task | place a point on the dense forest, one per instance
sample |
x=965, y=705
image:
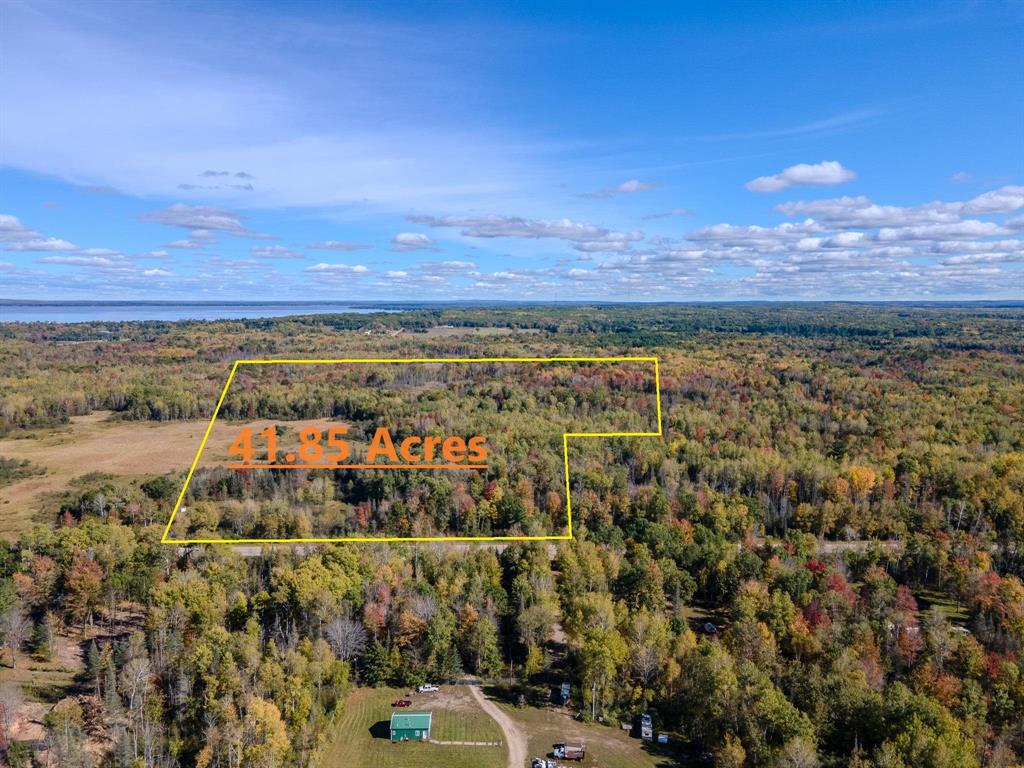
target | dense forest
x=819, y=563
x=519, y=412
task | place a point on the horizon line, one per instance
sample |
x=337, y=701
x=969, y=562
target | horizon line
x=497, y=302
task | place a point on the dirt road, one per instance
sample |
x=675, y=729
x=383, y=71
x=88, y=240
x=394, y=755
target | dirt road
x=515, y=739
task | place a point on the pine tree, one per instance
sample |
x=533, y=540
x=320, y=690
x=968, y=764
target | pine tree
x=111, y=701
x=377, y=665
x=94, y=666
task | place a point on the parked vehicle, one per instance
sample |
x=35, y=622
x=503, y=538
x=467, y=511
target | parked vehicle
x=428, y=688
x=646, y=727
x=570, y=749
x=402, y=703
x=540, y=762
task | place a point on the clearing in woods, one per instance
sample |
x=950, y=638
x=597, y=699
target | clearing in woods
x=607, y=746
x=514, y=737
x=360, y=738
x=129, y=450
x=30, y=688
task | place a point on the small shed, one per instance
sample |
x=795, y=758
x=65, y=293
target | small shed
x=411, y=726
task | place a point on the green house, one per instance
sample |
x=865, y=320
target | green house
x=410, y=726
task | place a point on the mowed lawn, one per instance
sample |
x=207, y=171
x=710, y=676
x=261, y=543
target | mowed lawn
x=607, y=747
x=360, y=737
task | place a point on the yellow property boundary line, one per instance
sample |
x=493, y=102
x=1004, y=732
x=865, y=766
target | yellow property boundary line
x=327, y=540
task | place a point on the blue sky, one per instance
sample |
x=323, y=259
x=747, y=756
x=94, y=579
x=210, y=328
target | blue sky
x=512, y=151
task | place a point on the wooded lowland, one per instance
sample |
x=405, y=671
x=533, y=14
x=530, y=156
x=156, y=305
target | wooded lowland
x=819, y=563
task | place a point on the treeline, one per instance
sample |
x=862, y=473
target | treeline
x=162, y=370
x=521, y=410
x=813, y=654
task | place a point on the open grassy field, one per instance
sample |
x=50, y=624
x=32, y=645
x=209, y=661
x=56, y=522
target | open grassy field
x=607, y=747
x=360, y=738
x=927, y=598
x=90, y=443
x=128, y=450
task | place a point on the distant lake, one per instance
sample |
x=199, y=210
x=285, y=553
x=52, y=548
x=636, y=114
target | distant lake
x=84, y=312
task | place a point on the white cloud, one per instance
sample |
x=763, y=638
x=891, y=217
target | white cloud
x=274, y=252
x=625, y=188
x=6, y=265
x=234, y=265
x=11, y=228
x=961, y=230
x=979, y=251
x=584, y=274
x=976, y=246
x=197, y=239
x=80, y=261
x=21, y=239
x=584, y=236
x=446, y=267
x=851, y=248
x=671, y=213
x=862, y=212
x=244, y=186
x=336, y=245
x=842, y=212
x=400, y=279
x=983, y=258
x=204, y=218
x=343, y=269
x=156, y=272
x=411, y=241
x=826, y=173
x=1004, y=200
x=17, y=237
x=612, y=242
x=42, y=244
x=756, y=234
